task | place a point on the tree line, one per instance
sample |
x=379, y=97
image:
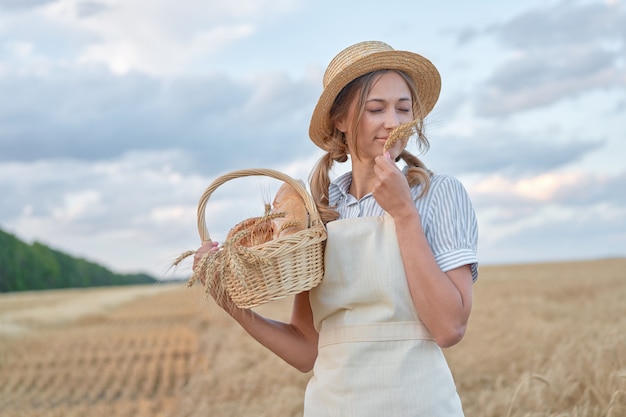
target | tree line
x=38, y=267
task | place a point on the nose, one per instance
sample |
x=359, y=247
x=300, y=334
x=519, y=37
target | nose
x=392, y=120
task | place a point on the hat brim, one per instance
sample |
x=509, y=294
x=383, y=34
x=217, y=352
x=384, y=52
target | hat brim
x=420, y=69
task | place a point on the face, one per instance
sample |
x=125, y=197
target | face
x=387, y=105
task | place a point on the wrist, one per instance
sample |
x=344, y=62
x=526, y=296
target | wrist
x=239, y=314
x=407, y=216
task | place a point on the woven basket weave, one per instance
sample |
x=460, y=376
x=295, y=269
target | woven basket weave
x=255, y=275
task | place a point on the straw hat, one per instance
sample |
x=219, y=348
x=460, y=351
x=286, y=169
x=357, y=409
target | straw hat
x=363, y=58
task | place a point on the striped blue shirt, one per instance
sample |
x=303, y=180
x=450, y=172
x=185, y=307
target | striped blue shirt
x=447, y=214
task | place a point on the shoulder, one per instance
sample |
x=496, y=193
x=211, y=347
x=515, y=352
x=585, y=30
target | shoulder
x=442, y=186
x=446, y=200
x=440, y=182
x=450, y=223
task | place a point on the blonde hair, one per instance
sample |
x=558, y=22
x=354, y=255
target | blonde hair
x=359, y=88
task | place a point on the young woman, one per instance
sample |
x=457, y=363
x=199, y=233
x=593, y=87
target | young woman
x=400, y=258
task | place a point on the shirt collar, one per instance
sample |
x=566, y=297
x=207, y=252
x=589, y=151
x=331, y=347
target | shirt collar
x=339, y=187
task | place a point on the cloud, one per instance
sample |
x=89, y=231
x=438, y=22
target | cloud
x=169, y=57
x=571, y=188
x=62, y=188
x=555, y=233
x=97, y=115
x=551, y=216
x=117, y=114
x=103, y=209
x=91, y=8
x=160, y=37
x=141, y=203
x=22, y=4
x=543, y=77
x=495, y=149
x=556, y=52
x=564, y=23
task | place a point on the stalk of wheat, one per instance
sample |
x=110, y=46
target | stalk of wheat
x=402, y=132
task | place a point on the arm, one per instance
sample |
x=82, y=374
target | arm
x=443, y=300
x=294, y=342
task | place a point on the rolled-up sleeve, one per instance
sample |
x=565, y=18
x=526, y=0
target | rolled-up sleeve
x=451, y=227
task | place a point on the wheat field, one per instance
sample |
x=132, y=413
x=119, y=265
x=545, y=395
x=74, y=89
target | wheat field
x=543, y=340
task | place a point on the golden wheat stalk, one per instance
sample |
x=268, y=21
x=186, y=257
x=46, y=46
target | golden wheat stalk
x=402, y=132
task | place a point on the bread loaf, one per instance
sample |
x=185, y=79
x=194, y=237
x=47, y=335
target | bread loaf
x=258, y=230
x=296, y=217
x=286, y=215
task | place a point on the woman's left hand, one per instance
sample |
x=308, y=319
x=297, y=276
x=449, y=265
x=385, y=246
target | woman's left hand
x=391, y=189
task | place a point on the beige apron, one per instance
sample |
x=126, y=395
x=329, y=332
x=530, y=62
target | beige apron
x=375, y=357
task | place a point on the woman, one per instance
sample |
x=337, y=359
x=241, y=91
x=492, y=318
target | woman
x=400, y=258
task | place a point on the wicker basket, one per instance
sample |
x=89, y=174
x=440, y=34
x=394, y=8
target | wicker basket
x=255, y=275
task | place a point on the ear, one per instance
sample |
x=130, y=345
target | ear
x=342, y=125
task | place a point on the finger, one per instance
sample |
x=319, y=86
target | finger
x=382, y=161
x=208, y=244
x=395, y=150
x=384, y=164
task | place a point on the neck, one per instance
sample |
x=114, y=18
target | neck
x=363, y=178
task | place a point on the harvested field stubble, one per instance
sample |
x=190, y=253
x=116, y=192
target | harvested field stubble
x=543, y=340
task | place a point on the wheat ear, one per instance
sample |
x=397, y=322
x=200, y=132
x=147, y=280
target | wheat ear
x=404, y=131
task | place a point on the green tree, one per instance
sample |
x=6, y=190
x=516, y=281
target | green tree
x=37, y=267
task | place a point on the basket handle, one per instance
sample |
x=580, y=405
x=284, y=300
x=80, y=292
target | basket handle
x=311, y=208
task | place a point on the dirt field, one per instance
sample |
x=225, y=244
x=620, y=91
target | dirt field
x=544, y=340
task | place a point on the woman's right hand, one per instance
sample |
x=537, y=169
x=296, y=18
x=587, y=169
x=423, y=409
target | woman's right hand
x=296, y=342
x=208, y=246
x=219, y=295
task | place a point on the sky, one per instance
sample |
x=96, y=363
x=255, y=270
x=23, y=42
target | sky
x=115, y=115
